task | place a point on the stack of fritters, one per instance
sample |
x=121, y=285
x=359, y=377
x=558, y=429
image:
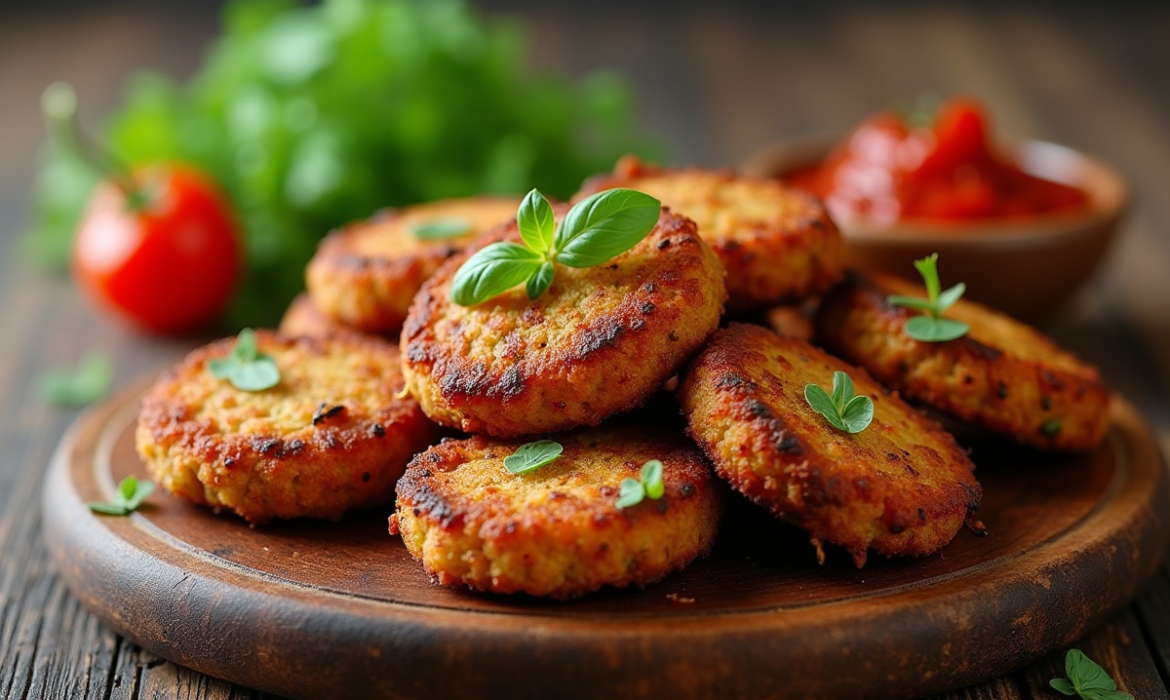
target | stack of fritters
x=569, y=365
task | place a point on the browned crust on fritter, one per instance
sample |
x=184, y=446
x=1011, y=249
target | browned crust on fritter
x=599, y=342
x=302, y=317
x=1003, y=375
x=900, y=487
x=288, y=451
x=364, y=275
x=556, y=531
x=777, y=244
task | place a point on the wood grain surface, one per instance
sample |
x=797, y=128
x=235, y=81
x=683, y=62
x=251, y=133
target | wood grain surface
x=1073, y=539
x=714, y=83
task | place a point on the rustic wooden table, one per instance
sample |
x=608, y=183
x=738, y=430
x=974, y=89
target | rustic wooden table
x=714, y=84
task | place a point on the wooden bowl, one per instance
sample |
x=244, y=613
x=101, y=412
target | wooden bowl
x=1026, y=268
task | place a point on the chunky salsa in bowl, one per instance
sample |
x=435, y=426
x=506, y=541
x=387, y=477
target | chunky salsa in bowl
x=1024, y=226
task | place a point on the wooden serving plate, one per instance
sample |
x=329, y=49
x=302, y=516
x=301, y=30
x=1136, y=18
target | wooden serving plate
x=340, y=610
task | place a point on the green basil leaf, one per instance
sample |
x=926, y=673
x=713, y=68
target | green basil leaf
x=492, y=271
x=935, y=330
x=1051, y=427
x=858, y=414
x=652, y=479
x=144, y=489
x=532, y=455
x=536, y=222
x=605, y=225
x=928, y=268
x=439, y=229
x=631, y=494
x=258, y=375
x=245, y=348
x=540, y=281
x=108, y=508
x=910, y=303
x=127, y=488
x=948, y=298
x=87, y=384
x=1063, y=686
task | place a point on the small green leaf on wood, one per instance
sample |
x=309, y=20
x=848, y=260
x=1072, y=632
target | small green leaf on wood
x=1087, y=679
x=84, y=385
x=130, y=494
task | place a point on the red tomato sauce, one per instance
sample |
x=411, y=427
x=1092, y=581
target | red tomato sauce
x=887, y=170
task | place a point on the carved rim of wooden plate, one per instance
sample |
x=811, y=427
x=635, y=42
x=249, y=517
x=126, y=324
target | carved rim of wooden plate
x=307, y=641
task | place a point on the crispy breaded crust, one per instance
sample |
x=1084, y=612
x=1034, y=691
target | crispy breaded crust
x=365, y=275
x=777, y=244
x=556, y=531
x=900, y=487
x=302, y=317
x=599, y=342
x=1003, y=374
x=289, y=451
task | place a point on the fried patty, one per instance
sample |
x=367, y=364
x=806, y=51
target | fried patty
x=302, y=317
x=365, y=275
x=600, y=341
x=900, y=487
x=1003, y=375
x=331, y=436
x=777, y=244
x=556, y=531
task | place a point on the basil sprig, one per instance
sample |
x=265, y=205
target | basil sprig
x=1087, y=679
x=532, y=456
x=648, y=486
x=246, y=368
x=594, y=231
x=843, y=410
x=932, y=328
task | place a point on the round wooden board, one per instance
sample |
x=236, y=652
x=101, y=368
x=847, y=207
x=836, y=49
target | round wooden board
x=340, y=610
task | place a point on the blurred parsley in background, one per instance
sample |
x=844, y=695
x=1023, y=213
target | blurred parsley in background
x=311, y=117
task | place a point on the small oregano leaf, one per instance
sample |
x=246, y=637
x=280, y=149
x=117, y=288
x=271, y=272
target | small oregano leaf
x=948, y=298
x=492, y=271
x=439, y=229
x=131, y=492
x=843, y=410
x=858, y=414
x=532, y=455
x=1063, y=686
x=536, y=222
x=246, y=367
x=929, y=329
x=652, y=479
x=631, y=493
x=1087, y=679
x=605, y=225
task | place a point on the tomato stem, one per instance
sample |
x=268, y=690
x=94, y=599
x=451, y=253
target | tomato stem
x=59, y=105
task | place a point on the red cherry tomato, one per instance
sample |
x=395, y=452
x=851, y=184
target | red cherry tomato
x=166, y=257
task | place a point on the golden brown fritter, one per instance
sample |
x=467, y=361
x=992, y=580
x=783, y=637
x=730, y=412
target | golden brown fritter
x=1003, y=375
x=332, y=435
x=777, y=244
x=901, y=486
x=304, y=318
x=600, y=341
x=556, y=531
x=365, y=275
